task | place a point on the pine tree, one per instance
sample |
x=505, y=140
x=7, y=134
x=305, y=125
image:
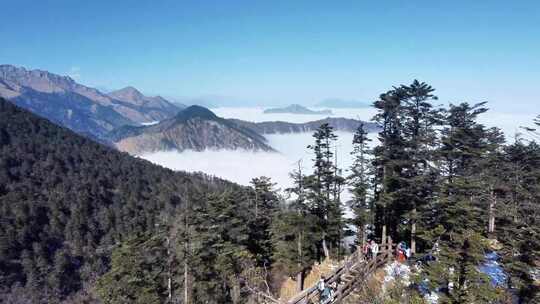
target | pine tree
x=460, y=241
x=419, y=121
x=220, y=248
x=360, y=181
x=322, y=194
x=295, y=234
x=136, y=274
x=265, y=202
x=389, y=159
x=518, y=217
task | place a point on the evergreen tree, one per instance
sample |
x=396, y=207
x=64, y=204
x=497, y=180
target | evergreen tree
x=518, y=217
x=136, y=274
x=360, y=181
x=220, y=249
x=264, y=203
x=419, y=121
x=460, y=240
x=322, y=194
x=294, y=231
x=389, y=158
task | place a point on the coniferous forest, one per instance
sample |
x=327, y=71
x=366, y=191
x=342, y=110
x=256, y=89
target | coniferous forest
x=82, y=223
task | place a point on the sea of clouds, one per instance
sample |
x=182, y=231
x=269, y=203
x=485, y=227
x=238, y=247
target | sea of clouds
x=241, y=166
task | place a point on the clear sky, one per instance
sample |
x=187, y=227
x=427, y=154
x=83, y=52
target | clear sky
x=284, y=51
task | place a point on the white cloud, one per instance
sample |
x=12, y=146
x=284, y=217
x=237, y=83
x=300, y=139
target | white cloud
x=242, y=166
x=256, y=114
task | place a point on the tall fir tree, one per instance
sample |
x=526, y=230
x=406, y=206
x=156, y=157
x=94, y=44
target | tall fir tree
x=295, y=233
x=389, y=158
x=360, y=182
x=264, y=202
x=518, y=218
x=136, y=274
x=419, y=120
x=321, y=191
x=460, y=232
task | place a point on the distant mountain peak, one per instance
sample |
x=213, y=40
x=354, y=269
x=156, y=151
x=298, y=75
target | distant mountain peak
x=128, y=90
x=296, y=109
x=194, y=128
x=195, y=111
x=129, y=93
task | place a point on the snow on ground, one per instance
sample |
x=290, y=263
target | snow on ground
x=397, y=271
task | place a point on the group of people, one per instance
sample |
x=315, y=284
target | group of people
x=370, y=249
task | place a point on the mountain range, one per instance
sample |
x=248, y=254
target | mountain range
x=197, y=128
x=83, y=109
x=283, y=127
x=132, y=122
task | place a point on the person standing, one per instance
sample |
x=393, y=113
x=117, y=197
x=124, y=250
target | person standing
x=369, y=252
x=374, y=249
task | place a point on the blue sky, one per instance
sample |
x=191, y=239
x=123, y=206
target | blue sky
x=285, y=51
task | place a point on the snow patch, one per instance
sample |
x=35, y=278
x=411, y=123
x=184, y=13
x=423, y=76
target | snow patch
x=150, y=123
x=397, y=271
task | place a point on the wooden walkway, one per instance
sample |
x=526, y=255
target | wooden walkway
x=354, y=270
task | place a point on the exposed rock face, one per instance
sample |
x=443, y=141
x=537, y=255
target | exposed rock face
x=195, y=128
x=80, y=108
x=152, y=108
x=296, y=109
x=282, y=127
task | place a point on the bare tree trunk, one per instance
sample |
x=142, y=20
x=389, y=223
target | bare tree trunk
x=169, y=270
x=383, y=237
x=186, y=294
x=325, y=247
x=413, y=232
x=186, y=272
x=236, y=293
x=491, y=221
x=300, y=281
x=390, y=252
x=256, y=204
x=300, y=275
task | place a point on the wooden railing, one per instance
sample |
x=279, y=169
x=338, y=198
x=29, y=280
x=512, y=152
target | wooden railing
x=353, y=270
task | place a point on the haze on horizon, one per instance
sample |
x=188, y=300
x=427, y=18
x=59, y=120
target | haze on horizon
x=280, y=52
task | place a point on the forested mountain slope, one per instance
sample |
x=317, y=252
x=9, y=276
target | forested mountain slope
x=66, y=202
